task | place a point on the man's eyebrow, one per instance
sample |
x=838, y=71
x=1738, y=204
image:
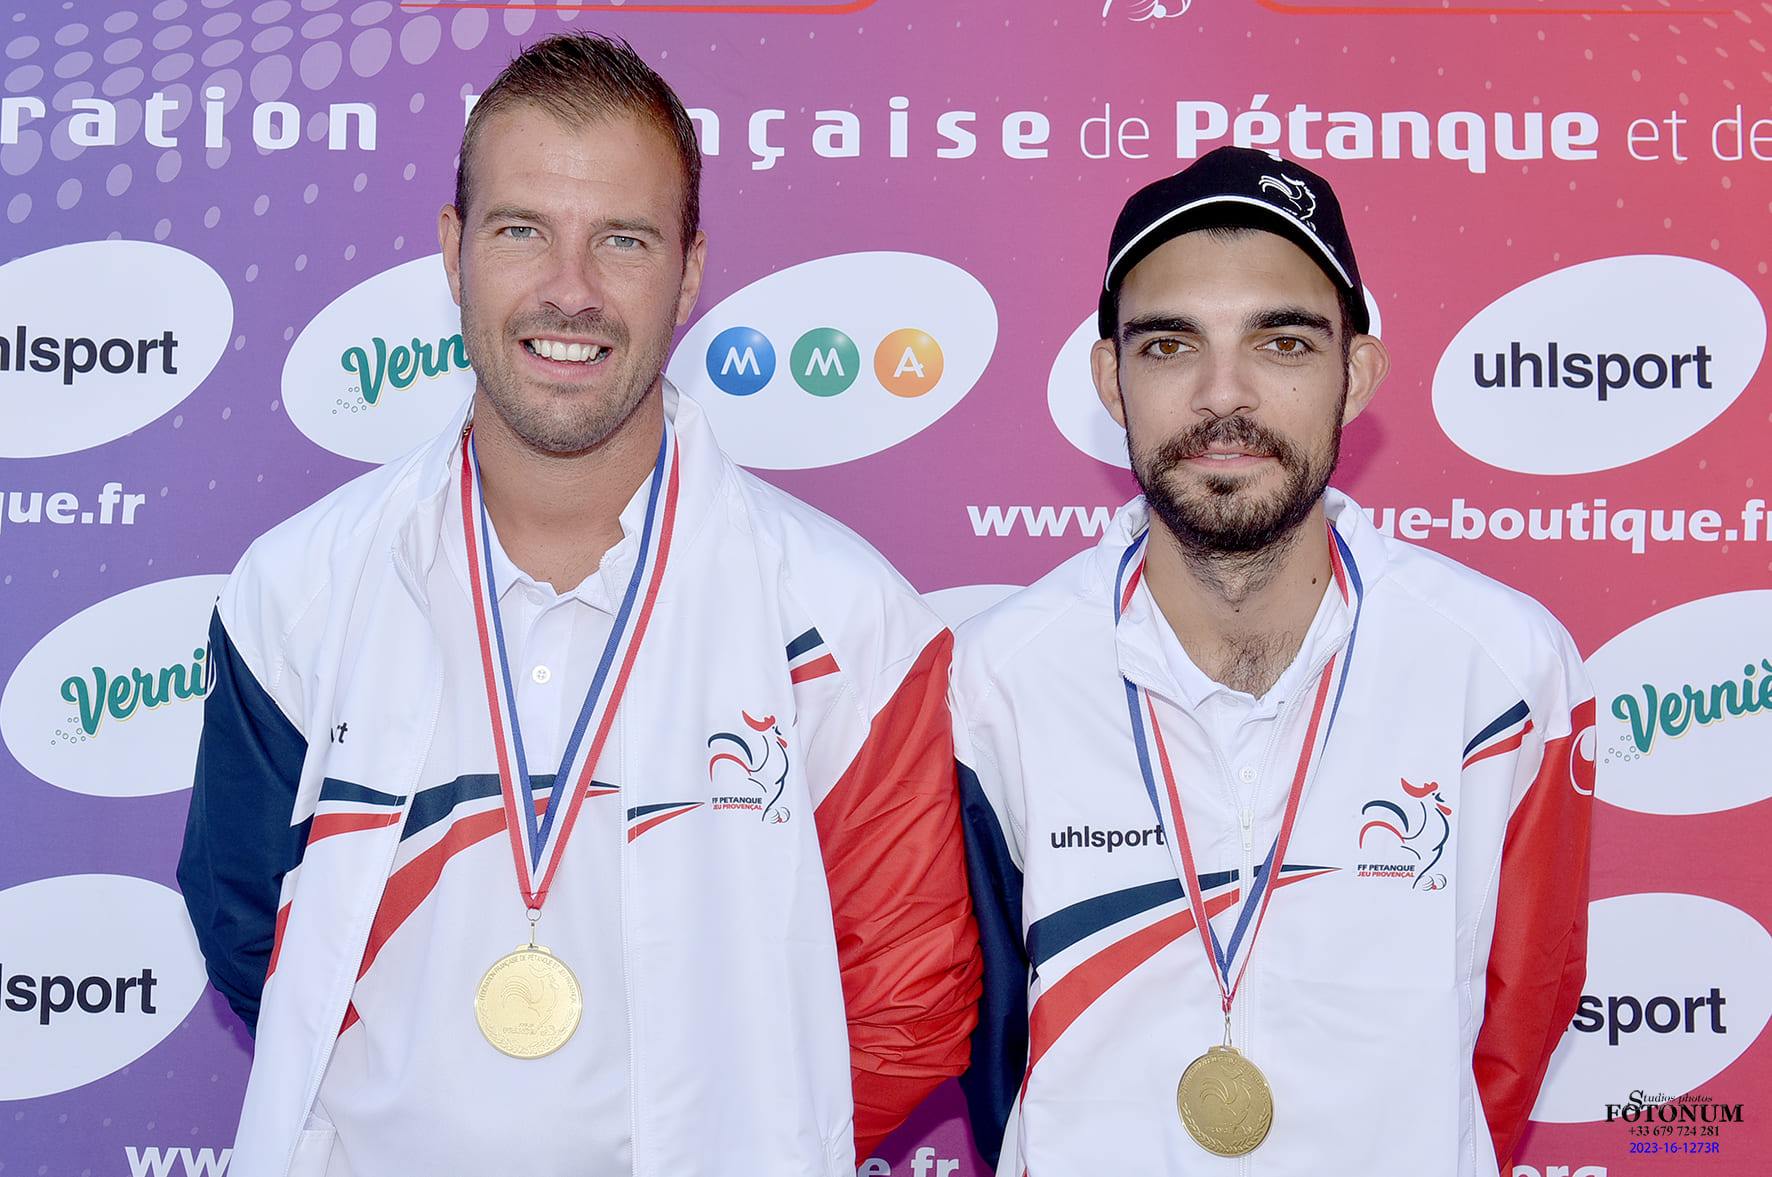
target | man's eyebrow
x=1280, y=317
x=637, y=225
x=511, y=212
x=1154, y=324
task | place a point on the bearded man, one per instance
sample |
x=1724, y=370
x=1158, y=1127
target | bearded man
x=1278, y=826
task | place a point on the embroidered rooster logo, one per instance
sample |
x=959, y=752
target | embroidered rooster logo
x=1294, y=192
x=765, y=765
x=1423, y=833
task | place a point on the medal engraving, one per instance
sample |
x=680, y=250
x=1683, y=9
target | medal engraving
x=1225, y=1103
x=528, y=1003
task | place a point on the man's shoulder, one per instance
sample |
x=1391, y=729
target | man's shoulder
x=1054, y=622
x=291, y=568
x=1508, y=623
x=354, y=511
x=811, y=542
x=832, y=581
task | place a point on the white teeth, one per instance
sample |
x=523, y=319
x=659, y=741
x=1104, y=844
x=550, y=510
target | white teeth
x=575, y=353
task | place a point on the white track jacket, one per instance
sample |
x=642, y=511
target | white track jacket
x=1424, y=947
x=768, y=964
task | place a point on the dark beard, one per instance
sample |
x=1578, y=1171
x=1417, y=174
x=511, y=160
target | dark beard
x=1213, y=523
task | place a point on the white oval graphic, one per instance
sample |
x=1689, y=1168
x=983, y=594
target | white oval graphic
x=1074, y=405
x=1599, y=365
x=99, y=338
x=964, y=601
x=1655, y=1016
x=382, y=369
x=1684, y=707
x=837, y=358
x=1078, y=411
x=98, y=970
x=110, y=702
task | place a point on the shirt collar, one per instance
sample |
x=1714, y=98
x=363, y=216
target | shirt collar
x=601, y=590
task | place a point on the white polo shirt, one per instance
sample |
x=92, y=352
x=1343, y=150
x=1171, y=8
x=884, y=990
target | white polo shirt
x=413, y=1086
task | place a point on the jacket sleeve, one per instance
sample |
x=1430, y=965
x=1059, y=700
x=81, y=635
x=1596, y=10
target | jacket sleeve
x=239, y=842
x=1538, y=959
x=906, y=943
x=1000, y=1043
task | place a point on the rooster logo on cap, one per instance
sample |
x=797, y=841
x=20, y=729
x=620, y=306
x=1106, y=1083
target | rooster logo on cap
x=1294, y=192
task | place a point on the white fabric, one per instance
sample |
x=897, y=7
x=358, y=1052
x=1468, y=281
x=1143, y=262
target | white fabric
x=740, y=1057
x=401, y=1074
x=1364, y=995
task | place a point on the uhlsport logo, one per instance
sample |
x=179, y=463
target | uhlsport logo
x=1077, y=410
x=1685, y=707
x=99, y=338
x=1416, y=825
x=1599, y=365
x=95, y=970
x=837, y=358
x=1669, y=1021
x=751, y=766
x=110, y=701
x=383, y=368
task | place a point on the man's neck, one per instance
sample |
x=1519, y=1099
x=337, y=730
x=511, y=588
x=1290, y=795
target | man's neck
x=1241, y=616
x=557, y=514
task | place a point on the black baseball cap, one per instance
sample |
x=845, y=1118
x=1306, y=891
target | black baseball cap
x=1236, y=187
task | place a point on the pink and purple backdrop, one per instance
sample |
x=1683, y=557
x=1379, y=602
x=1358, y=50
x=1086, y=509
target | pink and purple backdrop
x=219, y=298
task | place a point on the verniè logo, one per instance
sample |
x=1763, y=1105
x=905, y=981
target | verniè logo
x=99, y=338
x=837, y=358
x=1662, y=1021
x=95, y=970
x=109, y=702
x=382, y=369
x=1684, y=702
x=1599, y=365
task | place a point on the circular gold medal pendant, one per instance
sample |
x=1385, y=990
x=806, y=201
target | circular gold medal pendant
x=1225, y=1103
x=528, y=1003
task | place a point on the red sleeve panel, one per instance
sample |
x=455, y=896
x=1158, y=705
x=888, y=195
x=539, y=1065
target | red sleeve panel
x=1538, y=960
x=896, y=865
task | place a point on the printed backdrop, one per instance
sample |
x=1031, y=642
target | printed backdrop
x=220, y=297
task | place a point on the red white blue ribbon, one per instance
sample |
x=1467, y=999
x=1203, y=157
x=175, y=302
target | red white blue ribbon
x=1229, y=959
x=540, y=825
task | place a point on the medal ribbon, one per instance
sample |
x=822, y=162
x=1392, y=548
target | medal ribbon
x=1331, y=684
x=535, y=842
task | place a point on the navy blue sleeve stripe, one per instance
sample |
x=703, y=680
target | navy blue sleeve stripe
x=1066, y=926
x=435, y=804
x=1502, y=722
x=239, y=842
x=806, y=641
x=1000, y=1043
x=333, y=789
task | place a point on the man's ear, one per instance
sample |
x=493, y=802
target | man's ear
x=1368, y=363
x=1104, y=365
x=694, y=261
x=449, y=238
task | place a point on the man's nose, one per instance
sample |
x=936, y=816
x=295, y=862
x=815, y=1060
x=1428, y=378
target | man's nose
x=1226, y=387
x=572, y=284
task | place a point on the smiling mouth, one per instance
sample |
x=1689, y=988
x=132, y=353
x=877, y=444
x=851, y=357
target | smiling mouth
x=570, y=353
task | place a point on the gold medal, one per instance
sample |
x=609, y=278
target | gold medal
x=1224, y=1102
x=528, y=1003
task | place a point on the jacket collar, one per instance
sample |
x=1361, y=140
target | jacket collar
x=1138, y=641
x=425, y=479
